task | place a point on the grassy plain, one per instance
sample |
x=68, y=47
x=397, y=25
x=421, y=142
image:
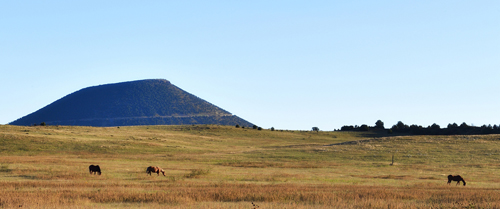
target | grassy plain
x=228, y=167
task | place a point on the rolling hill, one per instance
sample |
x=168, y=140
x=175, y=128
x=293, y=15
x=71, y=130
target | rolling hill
x=211, y=166
x=143, y=102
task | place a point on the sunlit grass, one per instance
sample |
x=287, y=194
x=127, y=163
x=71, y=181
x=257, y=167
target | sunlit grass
x=228, y=167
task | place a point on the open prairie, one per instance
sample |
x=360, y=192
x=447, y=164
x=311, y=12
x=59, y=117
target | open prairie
x=228, y=167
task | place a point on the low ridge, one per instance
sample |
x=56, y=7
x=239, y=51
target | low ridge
x=143, y=102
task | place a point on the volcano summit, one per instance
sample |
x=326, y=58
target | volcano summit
x=143, y=102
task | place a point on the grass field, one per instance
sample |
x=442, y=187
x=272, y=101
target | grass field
x=228, y=167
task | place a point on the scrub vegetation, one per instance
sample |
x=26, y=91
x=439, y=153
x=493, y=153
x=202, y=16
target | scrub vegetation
x=210, y=166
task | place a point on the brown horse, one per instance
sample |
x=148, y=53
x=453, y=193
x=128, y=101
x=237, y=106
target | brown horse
x=456, y=178
x=93, y=169
x=154, y=169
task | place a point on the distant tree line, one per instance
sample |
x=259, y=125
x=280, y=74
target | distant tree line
x=434, y=129
x=253, y=127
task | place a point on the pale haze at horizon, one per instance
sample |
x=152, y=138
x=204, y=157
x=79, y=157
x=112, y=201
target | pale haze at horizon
x=283, y=64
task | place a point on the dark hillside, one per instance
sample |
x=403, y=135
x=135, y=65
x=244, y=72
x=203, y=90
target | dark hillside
x=144, y=102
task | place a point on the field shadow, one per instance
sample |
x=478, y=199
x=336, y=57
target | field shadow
x=29, y=177
x=396, y=177
x=5, y=168
x=430, y=178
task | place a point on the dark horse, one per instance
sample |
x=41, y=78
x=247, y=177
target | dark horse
x=93, y=169
x=154, y=169
x=456, y=178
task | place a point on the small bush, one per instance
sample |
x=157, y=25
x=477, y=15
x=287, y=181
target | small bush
x=196, y=173
x=5, y=168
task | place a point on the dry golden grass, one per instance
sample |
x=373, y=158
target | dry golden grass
x=189, y=194
x=226, y=167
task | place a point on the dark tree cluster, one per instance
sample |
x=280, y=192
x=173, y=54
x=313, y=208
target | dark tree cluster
x=434, y=129
x=379, y=125
x=451, y=129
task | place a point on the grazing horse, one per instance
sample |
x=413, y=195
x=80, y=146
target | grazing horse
x=93, y=169
x=456, y=178
x=154, y=169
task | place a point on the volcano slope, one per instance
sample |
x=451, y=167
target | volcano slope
x=143, y=102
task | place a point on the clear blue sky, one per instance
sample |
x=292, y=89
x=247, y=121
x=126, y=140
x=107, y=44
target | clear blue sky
x=283, y=64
